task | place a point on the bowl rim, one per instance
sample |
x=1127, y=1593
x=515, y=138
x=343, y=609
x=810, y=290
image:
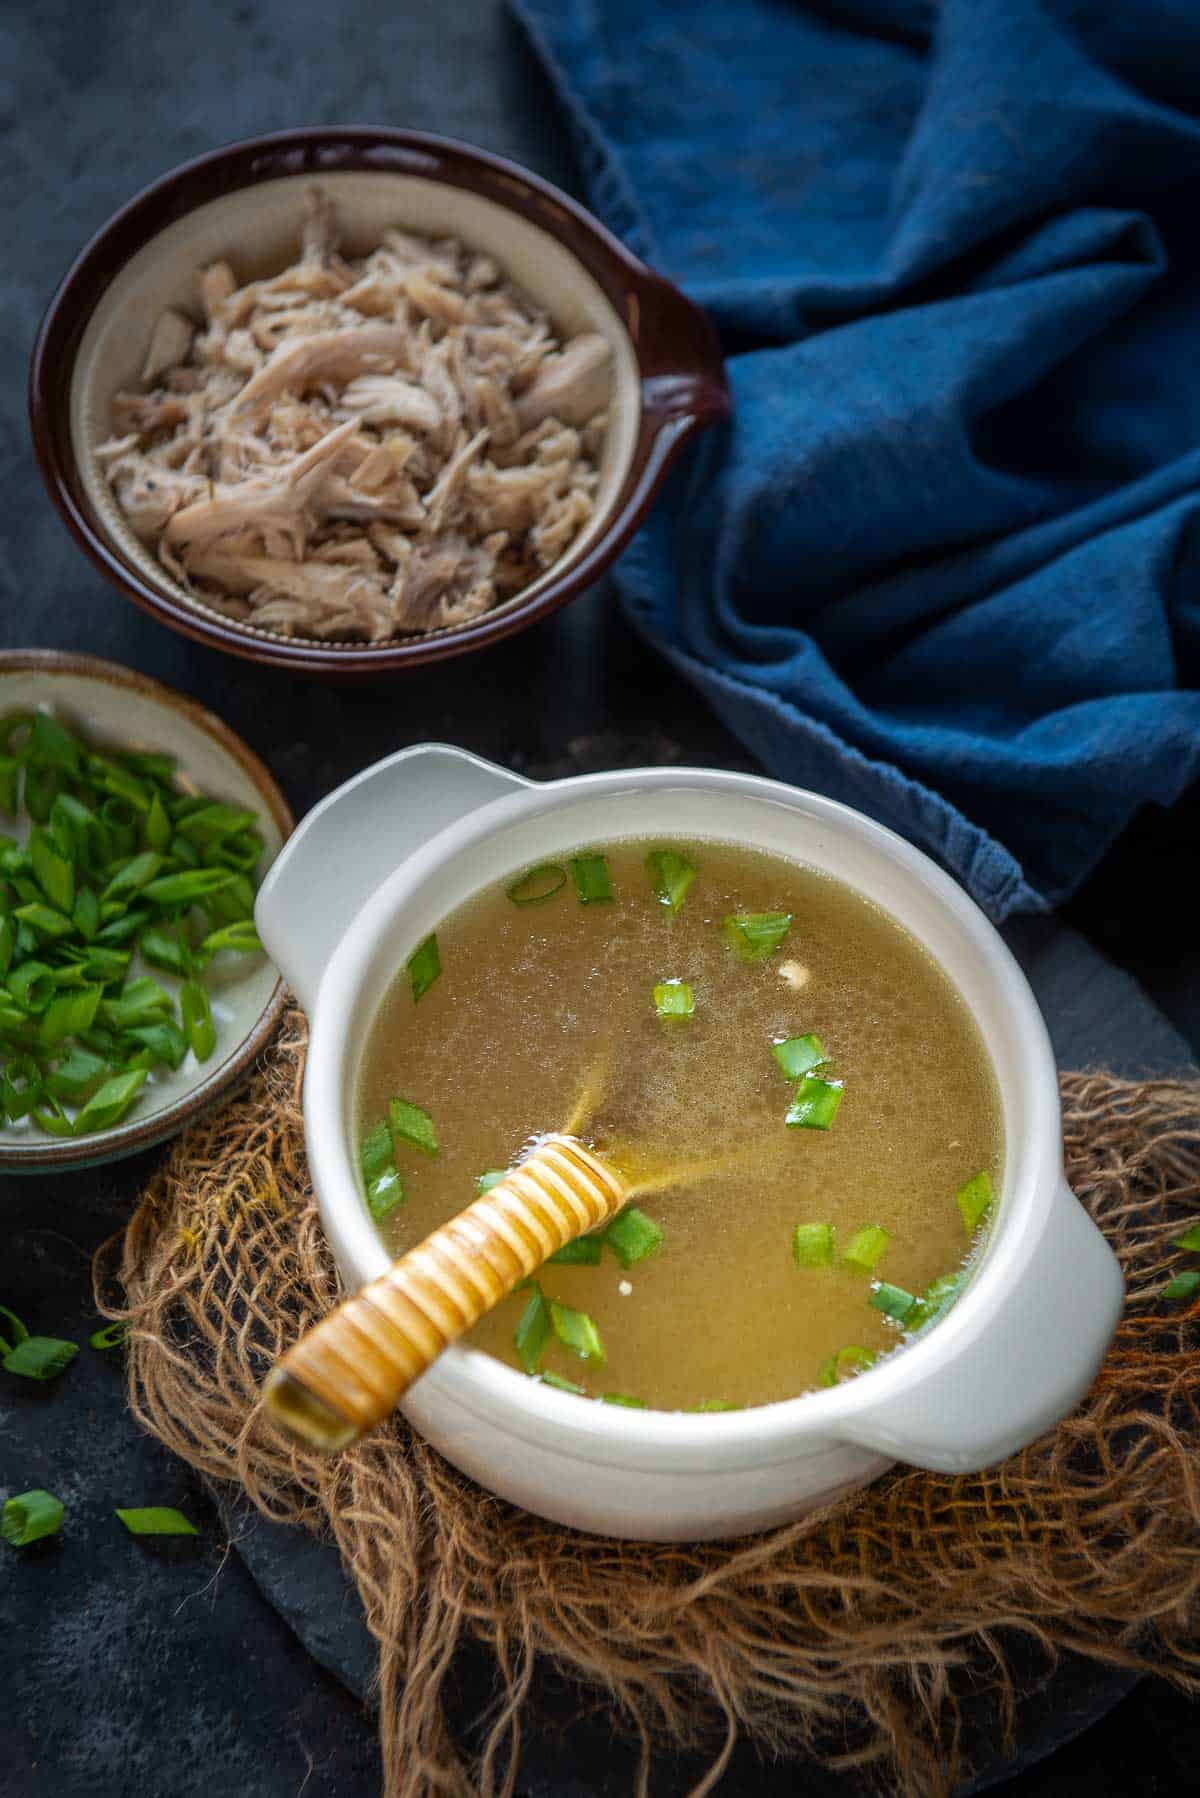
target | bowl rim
x=127, y=1139
x=682, y=378
x=473, y=1383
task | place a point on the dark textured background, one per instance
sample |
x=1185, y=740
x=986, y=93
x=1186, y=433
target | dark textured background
x=159, y=1670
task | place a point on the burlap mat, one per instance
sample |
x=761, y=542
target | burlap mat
x=853, y=1635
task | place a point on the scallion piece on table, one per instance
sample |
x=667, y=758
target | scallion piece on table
x=381, y=1177
x=974, y=1201
x=109, y=1103
x=112, y=1336
x=799, y=1055
x=812, y=1245
x=815, y=1104
x=593, y=882
x=623, y=1398
x=196, y=1012
x=1183, y=1285
x=674, y=999
x=40, y=1357
x=1190, y=1240
x=533, y=1331
x=560, y=1385
x=493, y=1177
x=849, y=1361
x=576, y=1331
x=424, y=966
x=755, y=935
x=865, y=1247
x=155, y=1520
x=893, y=1301
x=632, y=1236
x=410, y=1124
x=671, y=874
x=29, y=1516
x=584, y=1251
x=538, y=884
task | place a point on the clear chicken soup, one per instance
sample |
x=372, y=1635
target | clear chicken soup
x=797, y=1096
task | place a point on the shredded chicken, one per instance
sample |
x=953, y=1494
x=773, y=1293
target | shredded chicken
x=357, y=450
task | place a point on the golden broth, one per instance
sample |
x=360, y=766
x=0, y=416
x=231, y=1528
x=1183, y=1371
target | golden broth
x=537, y=1005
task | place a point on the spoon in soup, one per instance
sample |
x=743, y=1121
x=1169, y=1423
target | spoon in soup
x=352, y=1369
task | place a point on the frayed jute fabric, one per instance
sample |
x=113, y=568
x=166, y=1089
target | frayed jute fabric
x=853, y=1636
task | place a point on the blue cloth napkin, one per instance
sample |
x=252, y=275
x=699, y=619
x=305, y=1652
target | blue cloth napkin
x=945, y=563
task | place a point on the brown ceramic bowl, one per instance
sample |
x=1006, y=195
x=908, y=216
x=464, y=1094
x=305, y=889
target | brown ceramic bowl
x=244, y=203
x=114, y=706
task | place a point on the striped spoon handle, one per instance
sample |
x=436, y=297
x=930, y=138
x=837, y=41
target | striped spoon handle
x=354, y=1367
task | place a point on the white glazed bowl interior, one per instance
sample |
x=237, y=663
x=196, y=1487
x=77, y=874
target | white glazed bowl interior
x=257, y=230
x=547, y=822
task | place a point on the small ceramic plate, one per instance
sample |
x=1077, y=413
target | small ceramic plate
x=113, y=706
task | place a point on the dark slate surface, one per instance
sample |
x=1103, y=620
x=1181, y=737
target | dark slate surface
x=157, y=1670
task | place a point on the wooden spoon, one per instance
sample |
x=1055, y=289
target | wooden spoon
x=355, y=1366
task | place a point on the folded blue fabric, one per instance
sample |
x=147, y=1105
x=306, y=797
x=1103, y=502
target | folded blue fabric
x=945, y=562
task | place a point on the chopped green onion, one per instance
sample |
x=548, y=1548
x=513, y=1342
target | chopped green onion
x=157, y=826
x=492, y=1178
x=848, y=1361
x=560, y=1385
x=196, y=1012
x=576, y=1331
x=45, y=919
x=632, y=1236
x=10, y=776
x=671, y=874
x=893, y=1301
x=584, y=1251
x=76, y=1078
x=815, y=1105
x=32, y=985
x=187, y=888
x=164, y=946
x=593, y=882
x=70, y=1014
x=754, y=936
x=714, y=1404
x=865, y=1247
x=410, y=1124
x=1181, y=1287
x=974, y=1200
x=812, y=1245
x=424, y=966
x=241, y=937
x=20, y=1087
x=377, y=1158
x=50, y=1117
x=936, y=1299
x=533, y=1331
x=8, y=940
x=623, y=1398
x=40, y=1357
x=121, y=930
x=799, y=1055
x=673, y=999
x=1190, y=1240
x=55, y=874
x=142, y=1001
x=112, y=1336
x=29, y=1516
x=54, y=746
x=156, y=1520
x=538, y=884
x=15, y=1328
x=85, y=914
x=163, y=1042
x=132, y=876
x=209, y=823
x=108, y=1105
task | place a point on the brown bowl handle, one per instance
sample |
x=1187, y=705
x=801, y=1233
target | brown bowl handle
x=683, y=373
x=355, y=1366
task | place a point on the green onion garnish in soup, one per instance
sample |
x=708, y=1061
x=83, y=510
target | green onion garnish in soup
x=493, y=1177
x=593, y=882
x=674, y=999
x=533, y=1331
x=799, y=1055
x=538, y=884
x=576, y=1331
x=974, y=1200
x=671, y=874
x=584, y=1251
x=632, y=1236
x=560, y=1385
x=815, y=1104
x=893, y=1301
x=381, y=1177
x=849, y=1361
x=410, y=1124
x=812, y=1245
x=755, y=935
x=623, y=1398
x=29, y=1516
x=936, y=1299
x=865, y=1247
x=715, y=1404
x=424, y=966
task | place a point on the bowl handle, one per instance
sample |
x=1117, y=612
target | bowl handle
x=684, y=384
x=349, y=844
x=1023, y=1371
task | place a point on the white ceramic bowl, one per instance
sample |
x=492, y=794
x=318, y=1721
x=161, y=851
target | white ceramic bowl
x=382, y=861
